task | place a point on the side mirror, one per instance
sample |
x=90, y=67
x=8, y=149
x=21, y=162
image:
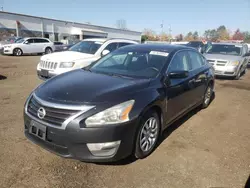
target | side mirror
x=26, y=42
x=246, y=54
x=105, y=52
x=178, y=74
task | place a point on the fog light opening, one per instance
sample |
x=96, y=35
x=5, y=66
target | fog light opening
x=104, y=149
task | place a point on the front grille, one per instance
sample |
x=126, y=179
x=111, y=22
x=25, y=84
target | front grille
x=48, y=65
x=218, y=72
x=217, y=62
x=53, y=116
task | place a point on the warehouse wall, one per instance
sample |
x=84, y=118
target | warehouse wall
x=36, y=26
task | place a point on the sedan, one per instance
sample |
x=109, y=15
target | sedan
x=119, y=105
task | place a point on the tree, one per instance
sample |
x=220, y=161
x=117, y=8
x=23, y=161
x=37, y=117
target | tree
x=195, y=35
x=246, y=37
x=189, y=36
x=238, y=35
x=222, y=33
x=214, y=35
x=144, y=38
x=163, y=36
x=121, y=24
x=207, y=34
x=150, y=34
x=179, y=37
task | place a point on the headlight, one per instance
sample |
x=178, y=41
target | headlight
x=66, y=64
x=234, y=63
x=116, y=114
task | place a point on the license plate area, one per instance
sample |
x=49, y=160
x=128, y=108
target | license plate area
x=37, y=129
x=44, y=73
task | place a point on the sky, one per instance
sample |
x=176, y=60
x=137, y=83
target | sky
x=182, y=15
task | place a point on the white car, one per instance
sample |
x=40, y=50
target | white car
x=78, y=56
x=29, y=45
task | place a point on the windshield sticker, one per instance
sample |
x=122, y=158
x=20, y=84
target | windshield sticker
x=159, y=53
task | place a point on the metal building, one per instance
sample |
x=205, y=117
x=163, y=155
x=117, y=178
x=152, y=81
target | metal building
x=13, y=24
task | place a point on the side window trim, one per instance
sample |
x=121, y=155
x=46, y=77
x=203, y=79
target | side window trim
x=184, y=50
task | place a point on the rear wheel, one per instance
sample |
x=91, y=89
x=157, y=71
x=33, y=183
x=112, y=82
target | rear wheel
x=17, y=52
x=208, y=96
x=48, y=50
x=147, y=135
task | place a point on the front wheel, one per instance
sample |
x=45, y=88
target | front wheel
x=17, y=52
x=147, y=135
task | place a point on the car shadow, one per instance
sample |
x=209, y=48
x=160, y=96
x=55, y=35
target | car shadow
x=248, y=182
x=166, y=133
x=2, y=77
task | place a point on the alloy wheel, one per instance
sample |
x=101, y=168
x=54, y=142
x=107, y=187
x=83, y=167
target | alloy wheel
x=208, y=95
x=17, y=52
x=149, y=134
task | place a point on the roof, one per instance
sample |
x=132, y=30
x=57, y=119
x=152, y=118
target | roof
x=108, y=39
x=152, y=47
x=18, y=14
x=229, y=43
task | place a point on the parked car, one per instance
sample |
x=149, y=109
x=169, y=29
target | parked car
x=8, y=41
x=198, y=45
x=228, y=59
x=29, y=45
x=59, y=46
x=120, y=104
x=79, y=55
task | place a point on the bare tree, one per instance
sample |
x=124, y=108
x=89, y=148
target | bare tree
x=121, y=24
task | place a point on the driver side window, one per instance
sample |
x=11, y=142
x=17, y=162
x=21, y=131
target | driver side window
x=111, y=47
x=29, y=41
x=180, y=62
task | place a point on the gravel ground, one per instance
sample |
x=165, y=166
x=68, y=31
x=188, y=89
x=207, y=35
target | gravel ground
x=208, y=148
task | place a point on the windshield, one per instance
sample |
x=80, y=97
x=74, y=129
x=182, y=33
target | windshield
x=135, y=64
x=19, y=41
x=89, y=47
x=224, y=49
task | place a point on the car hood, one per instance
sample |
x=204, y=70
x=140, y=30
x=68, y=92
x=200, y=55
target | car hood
x=81, y=86
x=66, y=56
x=222, y=57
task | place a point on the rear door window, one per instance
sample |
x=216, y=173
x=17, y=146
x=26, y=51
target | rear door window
x=196, y=60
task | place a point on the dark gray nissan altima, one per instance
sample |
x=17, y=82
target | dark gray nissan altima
x=120, y=104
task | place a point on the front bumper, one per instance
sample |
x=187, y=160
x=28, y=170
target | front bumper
x=45, y=77
x=225, y=70
x=72, y=141
x=7, y=51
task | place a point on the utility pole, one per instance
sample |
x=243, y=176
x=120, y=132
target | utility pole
x=170, y=30
x=2, y=8
x=162, y=25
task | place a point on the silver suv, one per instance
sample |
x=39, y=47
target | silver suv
x=228, y=59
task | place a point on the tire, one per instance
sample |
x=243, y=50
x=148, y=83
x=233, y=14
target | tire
x=149, y=130
x=237, y=77
x=17, y=52
x=207, y=96
x=48, y=50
